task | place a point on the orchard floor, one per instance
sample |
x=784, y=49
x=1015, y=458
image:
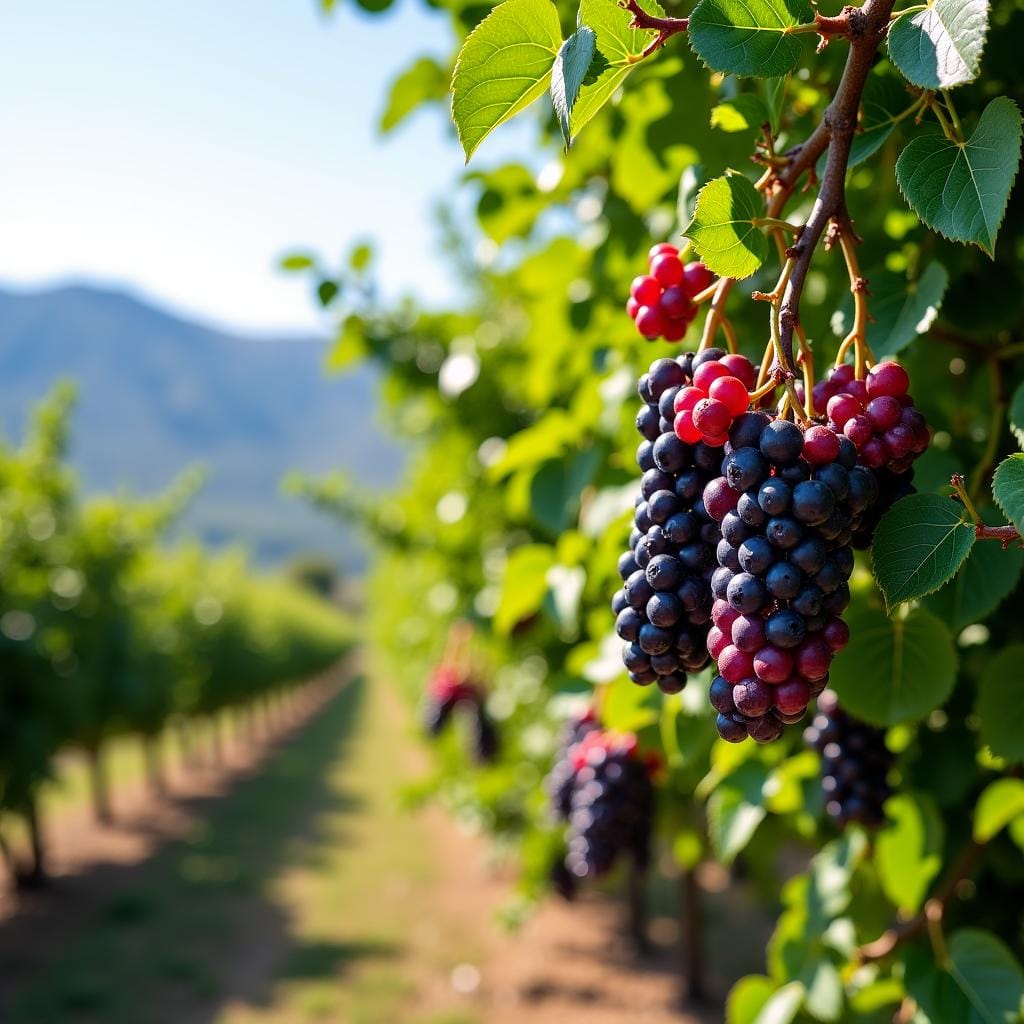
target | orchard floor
x=290, y=885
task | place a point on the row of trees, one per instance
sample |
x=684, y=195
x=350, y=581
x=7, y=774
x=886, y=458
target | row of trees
x=104, y=632
x=516, y=502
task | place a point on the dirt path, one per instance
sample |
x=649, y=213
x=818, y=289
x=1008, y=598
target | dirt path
x=293, y=886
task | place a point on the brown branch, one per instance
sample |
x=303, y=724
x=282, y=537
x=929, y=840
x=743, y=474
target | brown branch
x=867, y=26
x=897, y=935
x=665, y=27
x=1006, y=535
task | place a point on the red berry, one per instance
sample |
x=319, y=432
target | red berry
x=899, y=440
x=675, y=330
x=675, y=303
x=687, y=398
x=708, y=372
x=887, y=378
x=751, y=697
x=792, y=697
x=914, y=419
x=645, y=290
x=813, y=658
x=842, y=374
x=661, y=249
x=649, y=322
x=667, y=269
x=714, y=440
x=842, y=408
x=741, y=368
x=734, y=664
x=874, y=453
x=820, y=395
x=748, y=632
x=772, y=664
x=858, y=390
x=731, y=393
x=684, y=428
x=711, y=416
x=859, y=430
x=719, y=497
x=717, y=642
x=836, y=634
x=697, y=278
x=724, y=615
x=884, y=412
x=820, y=446
x=632, y=307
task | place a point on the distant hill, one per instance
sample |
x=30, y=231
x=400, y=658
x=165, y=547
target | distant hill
x=158, y=393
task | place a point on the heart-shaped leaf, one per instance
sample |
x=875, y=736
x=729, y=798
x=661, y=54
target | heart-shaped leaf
x=1008, y=489
x=961, y=189
x=940, y=47
x=919, y=545
x=723, y=231
x=748, y=37
x=503, y=66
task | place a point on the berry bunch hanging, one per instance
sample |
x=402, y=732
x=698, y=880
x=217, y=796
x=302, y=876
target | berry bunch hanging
x=449, y=691
x=855, y=764
x=788, y=501
x=664, y=607
x=661, y=302
x=608, y=806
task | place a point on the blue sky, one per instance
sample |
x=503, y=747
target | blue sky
x=179, y=149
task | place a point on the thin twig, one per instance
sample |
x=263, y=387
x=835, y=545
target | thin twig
x=665, y=27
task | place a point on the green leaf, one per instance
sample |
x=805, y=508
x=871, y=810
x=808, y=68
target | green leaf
x=1017, y=415
x=567, y=75
x=745, y=112
x=424, y=80
x=525, y=585
x=297, y=261
x=908, y=851
x=885, y=97
x=1001, y=702
x=628, y=707
x=984, y=581
x=618, y=52
x=327, y=292
x=961, y=191
x=747, y=998
x=503, y=66
x=1000, y=802
x=982, y=983
x=1008, y=489
x=919, y=545
x=940, y=47
x=735, y=809
x=350, y=344
x=783, y=1007
x=723, y=231
x=900, y=314
x=894, y=669
x=748, y=37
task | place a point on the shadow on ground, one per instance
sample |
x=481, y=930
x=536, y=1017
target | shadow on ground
x=196, y=927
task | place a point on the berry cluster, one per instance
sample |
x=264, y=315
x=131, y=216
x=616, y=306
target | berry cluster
x=609, y=805
x=661, y=301
x=876, y=414
x=562, y=777
x=706, y=409
x=664, y=608
x=447, y=692
x=788, y=502
x=855, y=764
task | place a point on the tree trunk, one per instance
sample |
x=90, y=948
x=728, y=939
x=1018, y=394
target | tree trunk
x=691, y=929
x=34, y=877
x=98, y=782
x=637, y=899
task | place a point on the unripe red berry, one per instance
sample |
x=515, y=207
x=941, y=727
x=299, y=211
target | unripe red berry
x=734, y=664
x=632, y=307
x=687, y=398
x=649, y=322
x=667, y=269
x=820, y=446
x=841, y=374
x=836, y=634
x=719, y=497
x=741, y=368
x=714, y=440
x=684, y=428
x=899, y=440
x=813, y=658
x=884, y=412
x=731, y=393
x=697, y=278
x=874, y=453
x=748, y=633
x=646, y=290
x=772, y=664
x=841, y=408
x=792, y=696
x=708, y=372
x=887, y=378
x=717, y=642
x=661, y=249
x=859, y=430
x=676, y=304
x=858, y=390
x=675, y=330
x=711, y=416
x=724, y=615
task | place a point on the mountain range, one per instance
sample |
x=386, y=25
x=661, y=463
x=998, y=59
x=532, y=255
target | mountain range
x=158, y=393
